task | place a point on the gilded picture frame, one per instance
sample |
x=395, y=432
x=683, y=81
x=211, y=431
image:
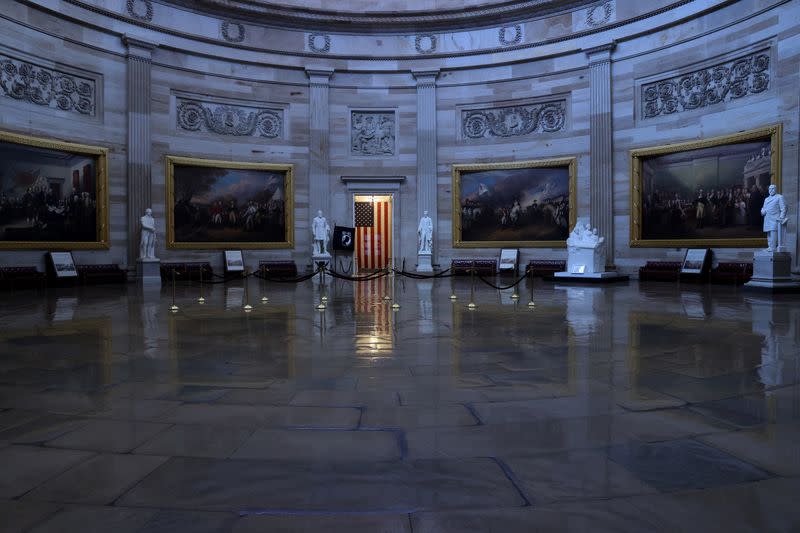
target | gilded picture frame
x=53, y=194
x=220, y=205
x=704, y=193
x=519, y=204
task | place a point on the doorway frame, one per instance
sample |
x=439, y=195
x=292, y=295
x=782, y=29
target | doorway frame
x=376, y=186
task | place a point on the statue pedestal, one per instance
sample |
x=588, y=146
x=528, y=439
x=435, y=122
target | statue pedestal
x=772, y=271
x=588, y=264
x=148, y=270
x=316, y=259
x=424, y=262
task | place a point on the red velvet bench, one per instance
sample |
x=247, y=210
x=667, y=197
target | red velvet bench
x=545, y=267
x=96, y=274
x=278, y=269
x=660, y=271
x=732, y=273
x=21, y=277
x=483, y=267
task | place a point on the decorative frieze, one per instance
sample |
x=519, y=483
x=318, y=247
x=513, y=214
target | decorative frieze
x=46, y=87
x=233, y=32
x=140, y=9
x=372, y=133
x=723, y=82
x=227, y=119
x=513, y=121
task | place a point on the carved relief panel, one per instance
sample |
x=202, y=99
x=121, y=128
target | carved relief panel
x=372, y=133
x=47, y=87
x=720, y=82
x=495, y=121
x=228, y=118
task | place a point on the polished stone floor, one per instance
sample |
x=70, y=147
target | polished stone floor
x=620, y=408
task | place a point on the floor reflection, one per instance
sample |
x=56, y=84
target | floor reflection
x=626, y=402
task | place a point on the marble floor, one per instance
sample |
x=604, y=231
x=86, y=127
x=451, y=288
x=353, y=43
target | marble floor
x=619, y=408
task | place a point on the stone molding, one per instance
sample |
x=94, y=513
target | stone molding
x=421, y=47
x=724, y=81
x=513, y=120
x=373, y=133
x=319, y=76
x=47, y=87
x=194, y=115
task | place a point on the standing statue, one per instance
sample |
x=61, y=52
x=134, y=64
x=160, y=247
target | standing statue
x=425, y=233
x=147, y=244
x=320, y=231
x=774, y=211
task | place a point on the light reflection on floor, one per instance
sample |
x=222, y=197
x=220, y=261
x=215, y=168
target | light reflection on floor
x=617, y=408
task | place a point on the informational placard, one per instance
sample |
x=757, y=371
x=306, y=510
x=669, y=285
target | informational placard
x=63, y=264
x=234, y=262
x=694, y=261
x=508, y=258
x=578, y=269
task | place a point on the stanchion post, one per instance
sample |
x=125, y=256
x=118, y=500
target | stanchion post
x=202, y=299
x=395, y=305
x=263, y=283
x=247, y=307
x=515, y=294
x=321, y=305
x=472, y=304
x=530, y=303
x=453, y=295
x=173, y=307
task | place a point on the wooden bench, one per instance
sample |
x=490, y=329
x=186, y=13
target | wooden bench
x=96, y=274
x=483, y=267
x=278, y=269
x=732, y=273
x=545, y=267
x=660, y=271
x=21, y=277
x=187, y=271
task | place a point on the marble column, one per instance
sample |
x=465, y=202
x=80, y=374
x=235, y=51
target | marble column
x=426, y=150
x=601, y=156
x=319, y=141
x=139, y=57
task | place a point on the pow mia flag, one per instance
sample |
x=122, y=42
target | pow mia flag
x=344, y=238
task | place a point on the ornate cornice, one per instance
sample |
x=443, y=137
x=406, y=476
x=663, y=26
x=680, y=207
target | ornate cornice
x=261, y=11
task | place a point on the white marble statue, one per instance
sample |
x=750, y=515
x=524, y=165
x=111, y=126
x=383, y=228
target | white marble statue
x=425, y=234
x=583, y=236
x=321, y=232
x=147, y=244
x=774, y=212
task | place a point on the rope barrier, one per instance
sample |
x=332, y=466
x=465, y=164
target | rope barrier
x=498, y=287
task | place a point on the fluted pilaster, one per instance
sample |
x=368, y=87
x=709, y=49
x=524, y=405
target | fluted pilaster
x=426, y=149
x=139, y=139
x=601, y=156
x=319, y=140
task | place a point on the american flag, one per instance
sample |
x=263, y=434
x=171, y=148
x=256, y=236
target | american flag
x=373, y=318
x=373, y=234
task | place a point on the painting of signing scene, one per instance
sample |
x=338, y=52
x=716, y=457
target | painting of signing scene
x=519, y=204
x=53, y=194
x=704, y=193
x=224, y=204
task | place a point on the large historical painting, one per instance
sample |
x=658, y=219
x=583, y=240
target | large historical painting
x=53, y=195
x=222, y=204
x=520, y=204
x=704, y=193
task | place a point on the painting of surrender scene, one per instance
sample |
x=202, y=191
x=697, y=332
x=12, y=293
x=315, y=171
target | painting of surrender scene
x=704, y=193
x=221, y=204
x=52, y=194
x=527, y=203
